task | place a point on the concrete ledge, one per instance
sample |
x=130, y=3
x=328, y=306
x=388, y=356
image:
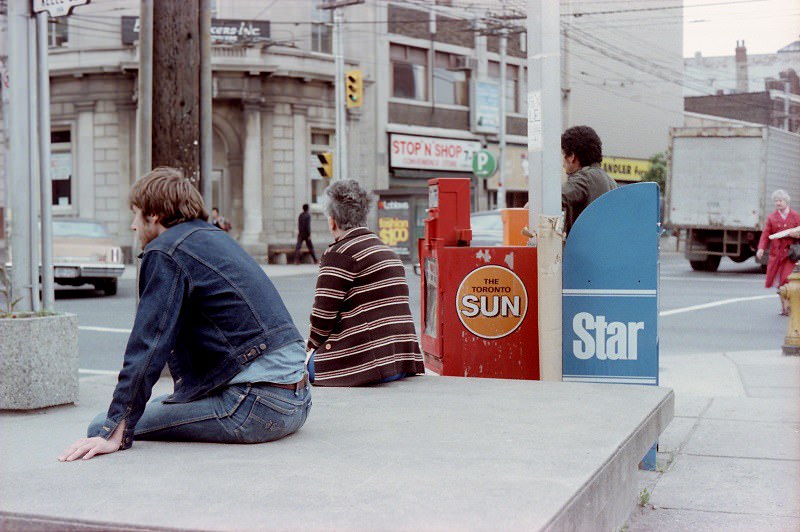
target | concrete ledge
x=425, y=453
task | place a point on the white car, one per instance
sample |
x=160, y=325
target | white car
x=487, y=228
x=85, y=253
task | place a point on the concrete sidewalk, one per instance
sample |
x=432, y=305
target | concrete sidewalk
x=433, y=453
x=730, y=460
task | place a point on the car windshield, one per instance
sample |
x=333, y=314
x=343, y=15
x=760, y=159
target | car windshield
x=79, y=228
x=486, y=222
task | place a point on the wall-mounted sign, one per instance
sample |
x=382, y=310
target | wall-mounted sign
x=516, y=167
x=57, y=8
x=430, y=153
x=625, y=169
x=484, y=164
x=486, y=108
x=394, y=225
x=223, y=31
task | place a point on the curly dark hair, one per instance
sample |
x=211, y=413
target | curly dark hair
x=583, y=143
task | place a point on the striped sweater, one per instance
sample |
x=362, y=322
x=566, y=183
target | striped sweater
x=361, y=324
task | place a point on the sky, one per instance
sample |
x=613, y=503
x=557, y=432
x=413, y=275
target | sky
x=764, y=25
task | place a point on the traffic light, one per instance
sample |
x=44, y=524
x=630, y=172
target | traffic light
x=326, y=164
x=354, y=87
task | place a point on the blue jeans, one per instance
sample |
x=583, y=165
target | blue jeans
x=311, y=373
x=239, y=413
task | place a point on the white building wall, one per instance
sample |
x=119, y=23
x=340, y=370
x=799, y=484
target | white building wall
x=707, y=75
x=624, y=75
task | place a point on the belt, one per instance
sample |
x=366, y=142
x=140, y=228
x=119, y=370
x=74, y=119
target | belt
x=296, y=386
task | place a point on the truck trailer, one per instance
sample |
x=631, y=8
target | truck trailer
x=720, y=184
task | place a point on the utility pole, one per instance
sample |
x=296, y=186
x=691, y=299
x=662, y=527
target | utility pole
x=206, y=120
x=501, y=182
x=544, y=164
x=176, y=95
x=23, y=285
x=45, y=183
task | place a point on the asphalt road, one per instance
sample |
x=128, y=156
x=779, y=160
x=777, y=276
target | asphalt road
x=729, y=310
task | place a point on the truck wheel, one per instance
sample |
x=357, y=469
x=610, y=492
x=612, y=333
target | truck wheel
x=712, y=263
x=698, y=265
x=709, y=264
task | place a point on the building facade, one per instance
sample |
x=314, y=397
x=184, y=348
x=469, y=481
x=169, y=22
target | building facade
x=431, y=93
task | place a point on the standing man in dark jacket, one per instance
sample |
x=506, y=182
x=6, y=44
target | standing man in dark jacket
x=304, y=234
x=582, y=153
x=207, y=308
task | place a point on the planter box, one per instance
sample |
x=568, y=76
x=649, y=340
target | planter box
x=38, y=361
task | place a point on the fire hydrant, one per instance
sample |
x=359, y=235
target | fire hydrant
x=791, y=292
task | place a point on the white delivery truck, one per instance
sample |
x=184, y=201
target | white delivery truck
x=720, y=184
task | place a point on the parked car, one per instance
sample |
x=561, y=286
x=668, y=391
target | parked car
x=85, y=253
x=487, y=228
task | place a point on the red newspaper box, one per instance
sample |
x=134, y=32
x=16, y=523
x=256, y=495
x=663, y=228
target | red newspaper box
x=479, y=304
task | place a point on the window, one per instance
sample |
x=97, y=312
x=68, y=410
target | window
x=409, y=72
x=512, y=89
x=321, y=29
x=57, y=32
x=61, y=167
x=320, y=143
x=450, y=86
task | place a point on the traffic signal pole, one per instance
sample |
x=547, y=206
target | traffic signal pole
x=340, y=151
x=340, y=104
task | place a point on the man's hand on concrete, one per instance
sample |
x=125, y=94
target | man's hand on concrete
x=86, y=448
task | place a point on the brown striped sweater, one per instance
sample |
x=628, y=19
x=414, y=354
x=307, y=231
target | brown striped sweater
x=361, y=324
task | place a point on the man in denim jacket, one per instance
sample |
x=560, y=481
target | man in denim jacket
x=210, y=311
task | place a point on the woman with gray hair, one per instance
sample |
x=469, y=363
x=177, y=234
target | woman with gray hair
x=362, y=330
x=779, y=265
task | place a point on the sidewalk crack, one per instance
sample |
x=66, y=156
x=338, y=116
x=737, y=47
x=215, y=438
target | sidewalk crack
x=739, y=373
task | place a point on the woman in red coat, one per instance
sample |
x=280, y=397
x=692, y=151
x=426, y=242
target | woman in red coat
x=779, y=266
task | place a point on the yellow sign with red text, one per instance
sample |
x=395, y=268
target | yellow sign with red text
x=491, y=302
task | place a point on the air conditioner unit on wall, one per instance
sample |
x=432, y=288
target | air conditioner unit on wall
x=464, y=63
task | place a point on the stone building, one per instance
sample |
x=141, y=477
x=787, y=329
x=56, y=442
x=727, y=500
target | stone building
x=431, y=84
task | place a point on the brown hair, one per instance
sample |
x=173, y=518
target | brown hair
x=165, y=193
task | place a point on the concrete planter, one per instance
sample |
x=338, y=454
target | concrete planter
x=38, y=361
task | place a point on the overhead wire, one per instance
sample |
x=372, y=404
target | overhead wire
x=662, y=72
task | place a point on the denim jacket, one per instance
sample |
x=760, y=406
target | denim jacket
x=207, y=308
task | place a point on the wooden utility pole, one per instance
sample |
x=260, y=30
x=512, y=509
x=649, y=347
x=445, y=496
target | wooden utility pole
x=176, y=86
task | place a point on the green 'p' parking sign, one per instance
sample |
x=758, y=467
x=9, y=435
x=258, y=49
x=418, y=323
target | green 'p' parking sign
x=483, y=163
